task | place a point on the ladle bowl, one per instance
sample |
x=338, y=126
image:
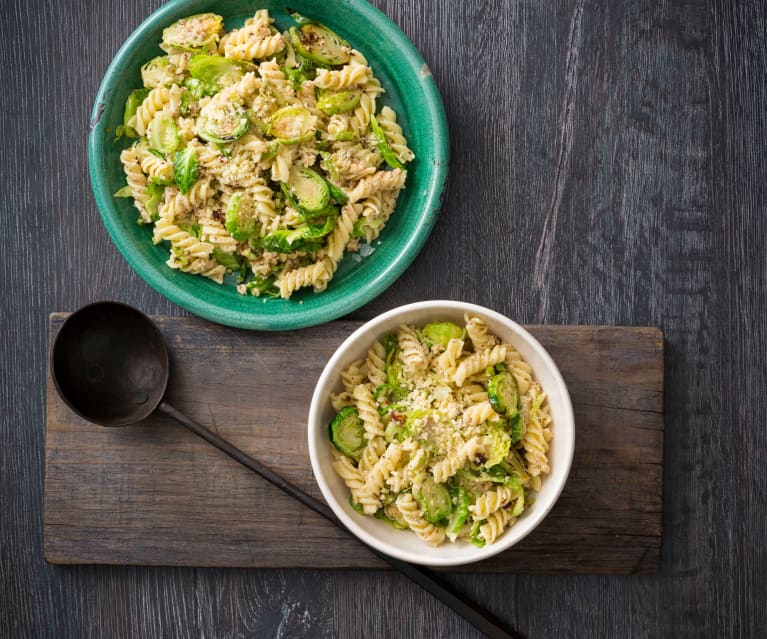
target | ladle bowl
x=110, y=365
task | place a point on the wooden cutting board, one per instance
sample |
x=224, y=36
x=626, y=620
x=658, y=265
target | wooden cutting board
x=155, y=494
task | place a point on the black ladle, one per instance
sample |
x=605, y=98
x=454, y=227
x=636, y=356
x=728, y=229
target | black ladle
x=110, y=365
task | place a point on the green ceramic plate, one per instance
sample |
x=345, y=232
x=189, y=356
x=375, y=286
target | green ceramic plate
x=410, y=90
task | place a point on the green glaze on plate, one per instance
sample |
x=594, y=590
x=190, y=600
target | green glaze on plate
x=410, y=91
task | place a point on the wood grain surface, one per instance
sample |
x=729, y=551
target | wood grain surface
x=607, y=168
x=154, y=494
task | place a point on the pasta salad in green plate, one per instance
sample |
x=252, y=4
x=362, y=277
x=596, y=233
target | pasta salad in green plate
x=261, y=153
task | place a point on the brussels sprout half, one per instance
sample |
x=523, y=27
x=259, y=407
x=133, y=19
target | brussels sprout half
x=195, y=33
x=303, y=238
x=163, y=133
x=460, y=511
x=309, y=189
x=332, y=102
x=222, y=125
x=155, y=72
x=132, y=103
x=443, y=332
x=347, y=432
x=292, y=125
x=216, y=72
x=320, y=44
x=434, y=499
x=238, y=222
x=503, y=393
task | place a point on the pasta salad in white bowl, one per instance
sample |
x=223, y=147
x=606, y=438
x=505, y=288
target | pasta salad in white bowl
x=441, y=433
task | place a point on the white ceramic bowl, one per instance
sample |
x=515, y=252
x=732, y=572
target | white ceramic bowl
x=405, y=544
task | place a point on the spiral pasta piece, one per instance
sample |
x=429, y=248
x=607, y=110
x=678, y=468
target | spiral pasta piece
x=383, y=468
x=157, y=100
x=336, y=243
x=183, y=241
x=447, y=362
x=263, y=199
x=412, y=351
x=136, y=180
x=536, y=439
x=359, y=121
x=215, y=233
x=354, y=480
x=477, y=362
x=353, y=375
x=471, y=394
x=372, y=453
x=338, y=123
x=479, y=414
x=341, y=400
x=520, y=370
x=282, y=163
x=413, y=516
x=387, y=120
x=157, y=168
x=271, y=73
x=254, y=40
x=376, y=211
x=478, y=333
x=494, y=525
x=346, y=469
x=177, y=204
x=290, y=281
x=380, y=181
x=449, y=466
x=256, y=48
x=363, y=399
x=346, y=77
x=204, y=266
x=491, y=501
x=376, y=361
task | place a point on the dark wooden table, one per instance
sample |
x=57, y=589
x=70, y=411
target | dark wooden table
x=607, y=168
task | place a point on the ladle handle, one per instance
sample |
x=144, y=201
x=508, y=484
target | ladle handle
x=246, y=460
x=475, y=615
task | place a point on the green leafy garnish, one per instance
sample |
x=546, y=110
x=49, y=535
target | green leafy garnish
x=230, y=260
x=185, y=169
x=131, y=106
x=304, y=238
x=191, y=228
x=263, y=285
x=383, y=145
x=154, y=191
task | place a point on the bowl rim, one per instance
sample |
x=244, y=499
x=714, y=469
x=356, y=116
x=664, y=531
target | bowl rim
x=320, y=397
x=296, y=316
